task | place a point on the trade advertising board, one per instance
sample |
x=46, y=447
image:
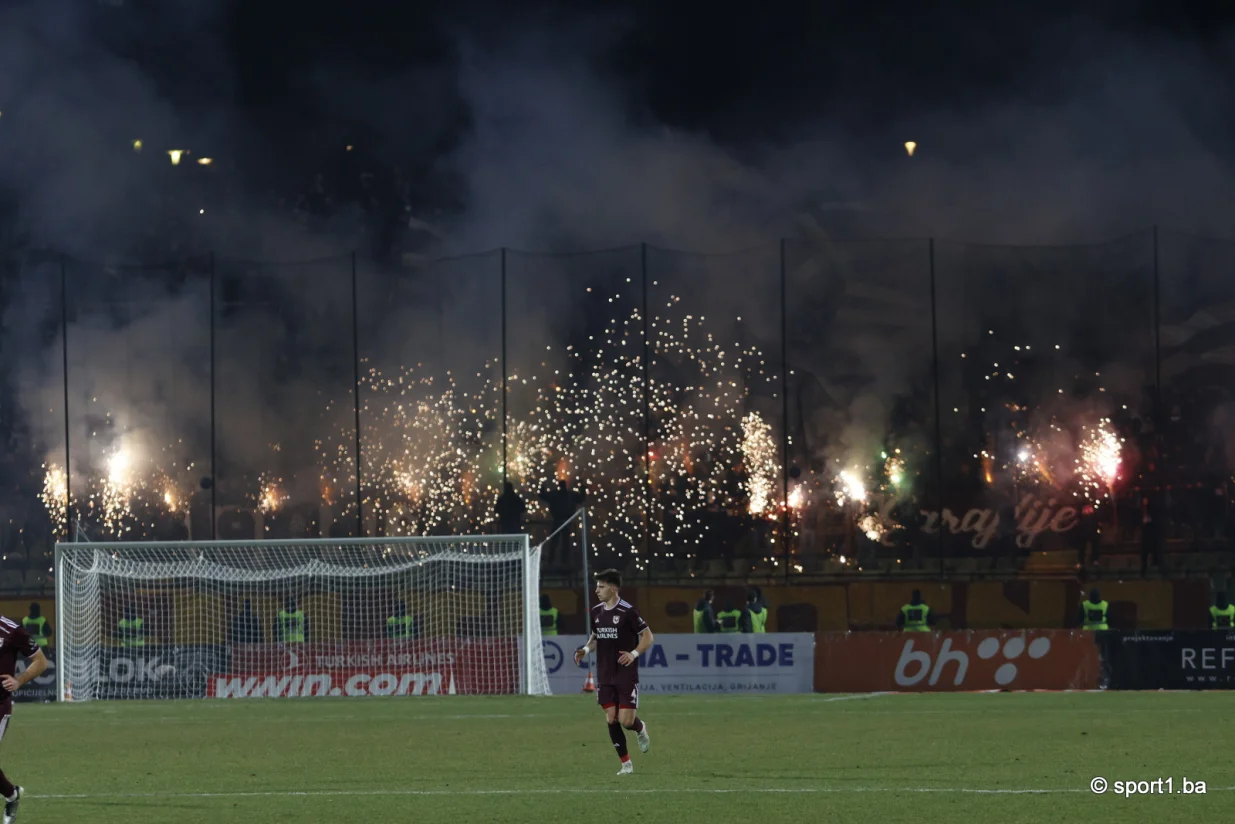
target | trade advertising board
x=700, y=664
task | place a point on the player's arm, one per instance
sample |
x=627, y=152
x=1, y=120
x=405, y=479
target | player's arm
x=36, y=666
x=646, y=639
x=586, y=648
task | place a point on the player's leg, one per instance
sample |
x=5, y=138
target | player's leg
x=628, y=706
x=11, y=792
x=607, y=696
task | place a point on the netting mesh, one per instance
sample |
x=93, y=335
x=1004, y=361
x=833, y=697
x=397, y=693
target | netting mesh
x=300, y=618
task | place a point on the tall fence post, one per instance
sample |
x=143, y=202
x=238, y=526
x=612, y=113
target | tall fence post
x=505, y=438
x=356, y=399
x=784, y=406
x=64, y=344
x=214, y=475
x=647, y=415
x=938, y=413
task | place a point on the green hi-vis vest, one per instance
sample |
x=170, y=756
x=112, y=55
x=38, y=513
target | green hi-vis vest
x=700, y=626
x=728, y=620
x=1222, y=618
x=1095, y=615
x=759, y=621
x=402, y=626
x=131, y=632
x=37, y=627
x=291, y=626
x=548, y=621
x=915, y=617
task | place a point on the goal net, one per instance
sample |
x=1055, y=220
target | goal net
x=350, y=617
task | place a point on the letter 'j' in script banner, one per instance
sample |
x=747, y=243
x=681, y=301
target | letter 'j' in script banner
x=701, y=664
x=956, y=661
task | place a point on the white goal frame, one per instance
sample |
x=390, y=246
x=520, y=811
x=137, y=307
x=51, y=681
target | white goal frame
x=108, y=558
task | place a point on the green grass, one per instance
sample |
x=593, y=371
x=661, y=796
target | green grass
x=888, y=758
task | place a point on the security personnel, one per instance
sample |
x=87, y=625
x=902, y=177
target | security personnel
x=290, y=626
x=729, y=618
x=755, y=616
x=1093, y=612
x=401, y=626
x=1222, y=614
x=549, y=616
x=915, y=616
x=705, y=613
x=37, y=626
x=131, y=628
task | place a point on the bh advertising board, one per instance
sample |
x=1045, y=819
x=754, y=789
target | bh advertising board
x=694, y=664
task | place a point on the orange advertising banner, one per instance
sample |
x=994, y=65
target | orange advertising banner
x=956, y=661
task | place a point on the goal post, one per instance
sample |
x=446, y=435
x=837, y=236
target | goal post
x=288, y=618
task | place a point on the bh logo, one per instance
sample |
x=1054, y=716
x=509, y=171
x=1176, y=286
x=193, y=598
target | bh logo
x=916, y=665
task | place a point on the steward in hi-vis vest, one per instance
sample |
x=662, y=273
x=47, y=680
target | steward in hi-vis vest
x=37, y=626
x=549, y=616
x=131, y=629
x=290, y=624
x=705, y=614
x=729, y=618
x=755, y=616
x=1221, y=614
x=915, y=616
x=401, y=626
x=1093, y=612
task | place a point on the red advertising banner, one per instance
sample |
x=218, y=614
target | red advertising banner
x=480, y=666
x=956, y=661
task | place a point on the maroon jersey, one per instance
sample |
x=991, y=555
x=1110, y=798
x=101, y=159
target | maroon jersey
x=617, y=631
x=14, y=641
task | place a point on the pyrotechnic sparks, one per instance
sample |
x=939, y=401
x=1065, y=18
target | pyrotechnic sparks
x=760, y=462
x=433, y=448
x=850, y=488
x=271, y=496
x=1099, y=460
x=55, y=494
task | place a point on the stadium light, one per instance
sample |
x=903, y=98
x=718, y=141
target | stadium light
x=175, y=155
x=910, y=146
x=205, y=161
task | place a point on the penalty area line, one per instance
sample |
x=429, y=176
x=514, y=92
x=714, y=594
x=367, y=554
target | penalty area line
x=574, y=790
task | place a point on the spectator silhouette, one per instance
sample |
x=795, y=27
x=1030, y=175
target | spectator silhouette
x=510, y=509
x=562, y=503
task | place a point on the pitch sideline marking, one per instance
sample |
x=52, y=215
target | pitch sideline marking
x=576, y=790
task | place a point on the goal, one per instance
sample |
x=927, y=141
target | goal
x=338, y=617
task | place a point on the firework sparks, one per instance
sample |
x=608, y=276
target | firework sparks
x=1099, y=460
x=55, y=494
x=759, y=452
x=850, y=488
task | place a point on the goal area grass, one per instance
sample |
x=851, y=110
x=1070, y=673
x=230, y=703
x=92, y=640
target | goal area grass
x=887, y=758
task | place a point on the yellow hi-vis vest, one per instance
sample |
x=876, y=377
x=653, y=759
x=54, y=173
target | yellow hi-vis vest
x=728, y=620
x=1095, y=615
x=37, y=627
x=915, y=617
x=759, y=620
x=402, y=626
x=291, y=626
x=131, y=632
x=1222, y=618
x=548, y=621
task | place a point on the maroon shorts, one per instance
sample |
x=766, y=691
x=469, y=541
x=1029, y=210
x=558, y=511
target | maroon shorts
x=623, y=697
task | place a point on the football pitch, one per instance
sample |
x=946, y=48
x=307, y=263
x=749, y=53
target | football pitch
x=914, y=758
